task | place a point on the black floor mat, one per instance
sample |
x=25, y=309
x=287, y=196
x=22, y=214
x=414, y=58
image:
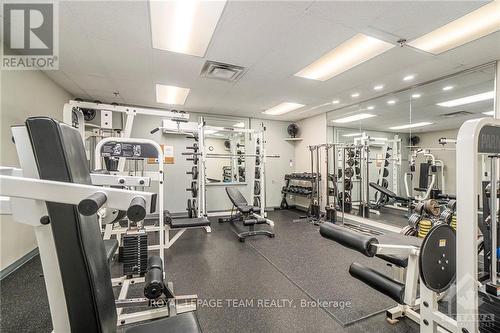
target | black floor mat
x=321, y=268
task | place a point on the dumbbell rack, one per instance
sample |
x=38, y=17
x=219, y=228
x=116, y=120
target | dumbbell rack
x=302, y=191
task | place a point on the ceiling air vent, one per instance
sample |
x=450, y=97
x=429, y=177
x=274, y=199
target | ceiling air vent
x=457, y=114
x=221, y=71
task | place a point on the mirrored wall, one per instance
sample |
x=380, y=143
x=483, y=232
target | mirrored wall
x=411, y=137
x=229, y=166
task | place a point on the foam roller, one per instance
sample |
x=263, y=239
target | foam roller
x=154, y=285
x=350, y=239
x=378, y=281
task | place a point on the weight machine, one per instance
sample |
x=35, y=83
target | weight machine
x=432, y=266
x=53, y=193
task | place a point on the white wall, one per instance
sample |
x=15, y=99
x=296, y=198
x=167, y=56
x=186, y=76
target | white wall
x=23, y=94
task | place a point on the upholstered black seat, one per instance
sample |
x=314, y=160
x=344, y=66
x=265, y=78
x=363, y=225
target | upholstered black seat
x=81, y=253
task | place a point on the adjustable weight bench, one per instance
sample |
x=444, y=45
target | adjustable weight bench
x=247, y=216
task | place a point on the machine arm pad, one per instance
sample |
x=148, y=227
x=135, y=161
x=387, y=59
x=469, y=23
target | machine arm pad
x=353, y=240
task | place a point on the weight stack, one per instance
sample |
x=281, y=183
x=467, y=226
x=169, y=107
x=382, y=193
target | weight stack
x=135, y=254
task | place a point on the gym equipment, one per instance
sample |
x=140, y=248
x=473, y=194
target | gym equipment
x=432, y=263
x=193, y=189
x=193, y=172
x=247, y=216
x=134, y=253
x=54, y=179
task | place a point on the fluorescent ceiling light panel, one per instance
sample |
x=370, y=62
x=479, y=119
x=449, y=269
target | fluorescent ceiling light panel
x=355, y=95
x=352, y=134
x=409, y=77
x=379, y=139
x=410, y=126
x=469, y=99
x=335, y=101
x=171, y=94
x=283, y=108
x=391, y=102
x=347, y=55
x=378, y=87
x=476, y=24
x=184, y=26
x=489, y=113
x=240, y=125
x=356, y=117
x=416, y=96
x=371, y=107
x=447, y=88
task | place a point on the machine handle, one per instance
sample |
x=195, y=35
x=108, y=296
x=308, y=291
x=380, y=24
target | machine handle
x=353, y=240
x=90, y=205
x=154, y=130
x=137, y=209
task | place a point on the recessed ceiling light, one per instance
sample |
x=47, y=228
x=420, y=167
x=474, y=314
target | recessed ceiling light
x=416, y=96
x=391, y=102
x=283, y=108
x=371, y=107
x=347, y=55
x=469, y=99
x=240, y=125
x=184, y=26
x=354, y=95
x=447, y=88
x=472, y=26
x=410, y=126
x=171, y=94
x=352, y=134
x=336, y=101
x=353, y=118
x=409, y=77
x=378, y=87
x=489, y=113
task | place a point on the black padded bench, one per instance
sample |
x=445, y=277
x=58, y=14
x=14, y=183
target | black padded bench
x=389, y=193
x=189, y=223
x=246, y=215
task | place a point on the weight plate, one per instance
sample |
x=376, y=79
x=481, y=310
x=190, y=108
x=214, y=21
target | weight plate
x=350, y=162
x=385, y=183
x=437, y=260
x=189, y=209
x=349, y=172
x=348, y=185
x=385, y=173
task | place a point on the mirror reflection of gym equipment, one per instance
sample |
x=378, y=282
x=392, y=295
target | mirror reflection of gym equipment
x=250, y=166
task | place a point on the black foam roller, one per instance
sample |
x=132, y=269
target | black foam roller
x=350, y=239
x=137, y=210
x=153, y=280
x=378, y=281
x=91, y=204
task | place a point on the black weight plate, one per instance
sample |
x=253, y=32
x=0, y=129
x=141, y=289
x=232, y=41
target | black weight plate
x=437, y=260
x=189, y=209
x=349, y=172
x=386, y=163
x=350, y=162
x=357, y=170
x=386, y=172
x=348, y=185
x=385, y=183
